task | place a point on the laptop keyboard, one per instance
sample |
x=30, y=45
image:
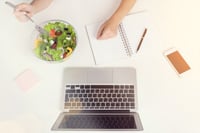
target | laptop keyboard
x=98, y=122
x=99, y=97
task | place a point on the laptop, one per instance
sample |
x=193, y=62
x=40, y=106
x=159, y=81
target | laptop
x=99, y=98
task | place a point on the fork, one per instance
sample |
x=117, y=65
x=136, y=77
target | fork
x=37, y=27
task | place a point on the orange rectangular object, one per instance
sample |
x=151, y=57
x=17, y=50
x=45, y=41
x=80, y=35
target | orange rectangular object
x=178, y=62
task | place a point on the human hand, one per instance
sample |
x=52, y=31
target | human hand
x=22, y=9
x=107, y=30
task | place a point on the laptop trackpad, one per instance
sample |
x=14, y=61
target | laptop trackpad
x=100, y=75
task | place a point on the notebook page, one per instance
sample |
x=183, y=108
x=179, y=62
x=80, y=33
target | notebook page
x=105, y=51
x=134, y=26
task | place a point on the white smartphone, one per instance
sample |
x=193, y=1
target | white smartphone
x=177, y=61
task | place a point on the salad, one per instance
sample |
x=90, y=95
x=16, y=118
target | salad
x=57, y=44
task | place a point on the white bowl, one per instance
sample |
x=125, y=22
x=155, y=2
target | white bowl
x=59, y=42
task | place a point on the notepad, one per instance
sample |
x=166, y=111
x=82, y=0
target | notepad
x=26, y=80
x=122, y=46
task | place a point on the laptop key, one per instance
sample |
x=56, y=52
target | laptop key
x=81, y=99
x=112, y=104
x=70, y=91
x=86, y=100
x=95, y=99
x=125, y=99
x=102, y=91
x=131, y=91
x=131, y=99
x=67, y=104
x=127, y=86
x=119, y=99
x=87, y=91
x=71, y=95
x=94, y=95
x=132, y=86
x=88, y=104
x=79, y=104
x=110, y=99
x=107, y=104
x=82, y=91
x=77, y=91
x=96, y=107
x=118, y=95
x=82, y=86
x=73, y=104
x=114, y=95
x=77, y=99
x=75, y=95
x=121, y=91
x=109, y=95
x=106, y=91
x=97, y=104
x=71, y=100
x=99, y=95
x=97, y=91
x=87, y=86
x=132, y=104
x=83, y=104
x=90, y=99
x=100, y=99
x=115, y=99
x=130, y=95
x=103, y=104
x=122, y=104
x=89, y=95
x=117, y=104
x=105, y=99
x=66, y=98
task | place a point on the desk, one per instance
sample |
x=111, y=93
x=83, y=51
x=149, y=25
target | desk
x=167, y=103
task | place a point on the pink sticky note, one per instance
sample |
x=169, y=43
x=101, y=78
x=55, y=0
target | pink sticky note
x=26, y=80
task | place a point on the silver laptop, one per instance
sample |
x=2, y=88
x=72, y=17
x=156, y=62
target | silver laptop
x=99, y=98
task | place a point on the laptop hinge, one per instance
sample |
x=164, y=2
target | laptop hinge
x=99, y=111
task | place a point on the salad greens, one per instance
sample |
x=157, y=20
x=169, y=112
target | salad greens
x=58, y=44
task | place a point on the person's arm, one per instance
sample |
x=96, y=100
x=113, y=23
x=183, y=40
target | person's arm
x=30, y=8
x=39, y=5
x=109, y=28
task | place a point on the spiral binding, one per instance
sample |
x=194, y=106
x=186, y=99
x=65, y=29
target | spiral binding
x=125, y=40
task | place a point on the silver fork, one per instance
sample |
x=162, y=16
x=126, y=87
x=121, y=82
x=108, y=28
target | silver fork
x=37, y=27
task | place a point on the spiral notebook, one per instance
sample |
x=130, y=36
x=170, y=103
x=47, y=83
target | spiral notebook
x=124, y=45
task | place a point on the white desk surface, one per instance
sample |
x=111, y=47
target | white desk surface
x=167, y=103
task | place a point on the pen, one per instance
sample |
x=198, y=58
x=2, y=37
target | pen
x=140, y=43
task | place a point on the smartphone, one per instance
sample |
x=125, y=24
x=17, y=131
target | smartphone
x=177, y=61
